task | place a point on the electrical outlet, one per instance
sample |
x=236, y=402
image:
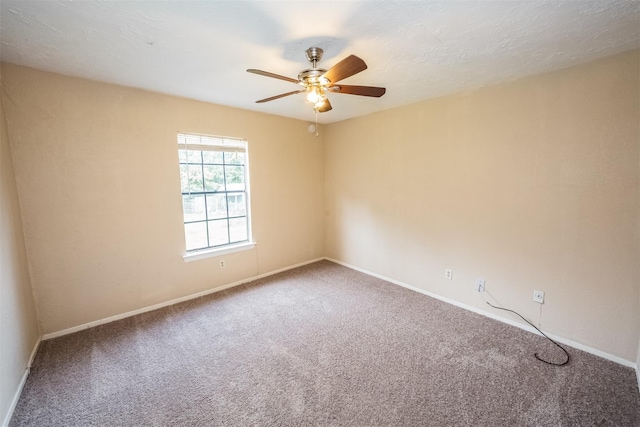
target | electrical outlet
x=448, y=274
x=538, y=296
x=222, y=264
x=480, y=285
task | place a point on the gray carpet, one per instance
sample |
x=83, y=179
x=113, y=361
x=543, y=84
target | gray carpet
x=319, y=345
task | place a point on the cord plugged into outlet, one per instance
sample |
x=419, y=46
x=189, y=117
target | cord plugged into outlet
x=480, y=285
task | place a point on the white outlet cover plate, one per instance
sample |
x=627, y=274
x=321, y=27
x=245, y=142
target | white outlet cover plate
x=538, y=296
x=480, y=285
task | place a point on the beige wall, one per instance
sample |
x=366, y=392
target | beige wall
x=530, y=185
x=97, y=173
x=19, y=331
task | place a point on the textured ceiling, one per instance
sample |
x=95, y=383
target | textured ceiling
x=416, y=49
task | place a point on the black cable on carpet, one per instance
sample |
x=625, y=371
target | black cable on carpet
x=545, y=335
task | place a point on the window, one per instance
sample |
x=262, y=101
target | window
x=215, y=192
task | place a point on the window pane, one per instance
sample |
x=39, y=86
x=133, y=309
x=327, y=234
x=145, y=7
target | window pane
x=231, y=158
x=194, y=156
x=212, y=157
x=237, y=206
x=218, y=234
x=196, y=235
x=216, y=206
x=235, y=178
x=238, y=229
x=193, y=208
x=213, y=178
x=195, y=178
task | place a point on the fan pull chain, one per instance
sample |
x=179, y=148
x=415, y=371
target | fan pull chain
x=317, y=133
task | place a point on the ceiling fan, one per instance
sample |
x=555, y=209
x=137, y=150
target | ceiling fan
x=317, y=82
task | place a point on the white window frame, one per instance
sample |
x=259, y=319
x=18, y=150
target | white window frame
x=199, y=142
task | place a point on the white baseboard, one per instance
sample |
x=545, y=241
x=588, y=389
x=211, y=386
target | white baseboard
x=171, y=302
x=524, y=326
x=16, y=395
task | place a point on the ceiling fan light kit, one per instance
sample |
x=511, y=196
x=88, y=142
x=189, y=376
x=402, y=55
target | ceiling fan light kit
x=317, y=82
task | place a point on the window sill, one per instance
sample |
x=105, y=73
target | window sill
x=208, y=253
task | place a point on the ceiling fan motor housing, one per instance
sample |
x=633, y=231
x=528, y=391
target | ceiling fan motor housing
x=313, y=77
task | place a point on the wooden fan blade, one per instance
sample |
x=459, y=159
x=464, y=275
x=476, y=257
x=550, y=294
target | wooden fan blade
x=275, y=76
x=346, y=68
x=376, y=92
x=282, y=95
x=326, y=106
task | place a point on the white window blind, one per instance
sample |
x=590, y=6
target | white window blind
x=210, y=143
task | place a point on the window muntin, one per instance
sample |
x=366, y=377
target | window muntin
x=214, y=185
